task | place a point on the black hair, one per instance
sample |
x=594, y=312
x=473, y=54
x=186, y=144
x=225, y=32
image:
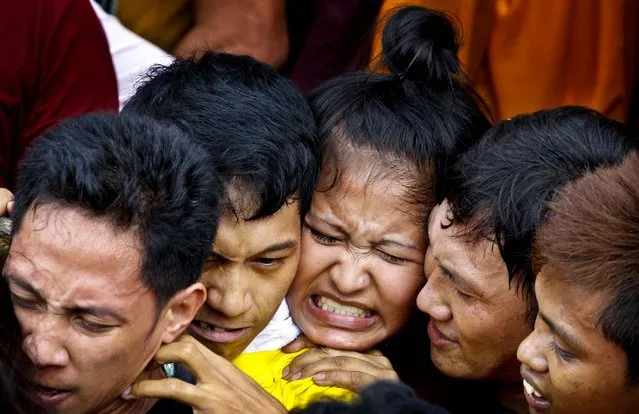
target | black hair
x=420, y=116
x=254, y=122
x=138, y=175
x=501, y=186
x=380, y=397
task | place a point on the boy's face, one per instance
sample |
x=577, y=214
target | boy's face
x=568, y=365
x=250, y=270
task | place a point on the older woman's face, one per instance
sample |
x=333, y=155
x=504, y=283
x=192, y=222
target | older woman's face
x=361, y=265
x=568, y=365
x=476, y=320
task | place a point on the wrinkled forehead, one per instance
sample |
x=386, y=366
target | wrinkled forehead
x=65, y=254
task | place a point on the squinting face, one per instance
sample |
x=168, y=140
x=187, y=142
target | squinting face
x=361, y=266
x=88, y=322
x=568, y=366
x=247, y=276
x=476, y=320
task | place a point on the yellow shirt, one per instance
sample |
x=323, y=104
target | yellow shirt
x=266, y=368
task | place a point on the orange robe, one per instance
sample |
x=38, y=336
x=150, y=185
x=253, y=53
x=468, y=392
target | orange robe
x=526, y=55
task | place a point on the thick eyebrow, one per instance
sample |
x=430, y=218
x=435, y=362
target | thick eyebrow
x=562, y=333
x=23, y=284
x=288, y=244
x=459, y=280
x=336, y=227
x=98, y=312
x=408, y=245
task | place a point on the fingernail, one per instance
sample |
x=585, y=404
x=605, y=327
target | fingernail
x=126, y=394
x=319, y=376
x=296, y=376
x=10, y=206
x=285, y=372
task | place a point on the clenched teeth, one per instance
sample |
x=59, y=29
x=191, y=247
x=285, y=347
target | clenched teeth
x=332, y=306
x=531, y=390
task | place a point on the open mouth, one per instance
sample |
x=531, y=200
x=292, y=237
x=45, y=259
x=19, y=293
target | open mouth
x=330, y=312
x=215, y=333
x=51, y=396
x=329, y=305
x=534, y=398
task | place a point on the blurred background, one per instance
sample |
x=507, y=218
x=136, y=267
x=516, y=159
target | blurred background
x=524, y=55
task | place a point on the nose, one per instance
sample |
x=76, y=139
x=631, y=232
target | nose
x=431, y=301
x=45, y=345
x=350, y=275
x=529, y=353
x=230, y=295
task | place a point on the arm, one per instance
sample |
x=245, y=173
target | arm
x=242, y=27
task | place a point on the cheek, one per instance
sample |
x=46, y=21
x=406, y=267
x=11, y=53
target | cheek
x=315, y=260
x=594, y=386
x=397, y=288
x=488, y=333
x=27, y=320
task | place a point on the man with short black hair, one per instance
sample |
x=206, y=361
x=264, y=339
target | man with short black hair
x=113, y=220
x=262, y=136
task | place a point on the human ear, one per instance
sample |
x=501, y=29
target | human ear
x=181, y=310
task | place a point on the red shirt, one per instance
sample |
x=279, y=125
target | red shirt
x=54, y=64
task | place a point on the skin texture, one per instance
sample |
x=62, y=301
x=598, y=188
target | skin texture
x=243, y=27
x=468, y=299
x=569, y=361
x=248, y=275
x=352, y=253
x=6, y=201
x=59, y=273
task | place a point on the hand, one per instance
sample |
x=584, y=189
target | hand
x=344, y=369
x=6, y=201
x=220, y=386
x=298, y=344
x=256, y=28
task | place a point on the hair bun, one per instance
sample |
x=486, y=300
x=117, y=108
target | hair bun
x=421, y=45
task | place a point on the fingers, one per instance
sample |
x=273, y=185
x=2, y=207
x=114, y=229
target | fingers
x=326, y=359
x=193, y=355
x=171, y=388
x=6, y=201
x=298, y=344
x=350, y=380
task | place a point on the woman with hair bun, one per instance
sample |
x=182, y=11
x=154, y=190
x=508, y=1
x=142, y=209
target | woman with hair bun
x=388, y=143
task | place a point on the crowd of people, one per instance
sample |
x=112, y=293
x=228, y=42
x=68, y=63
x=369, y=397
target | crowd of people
x=211, y=239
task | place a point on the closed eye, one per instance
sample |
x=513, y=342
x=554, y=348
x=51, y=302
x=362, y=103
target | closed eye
x=390, y=258
x=23, y=302
x=561, y=353
x=269, y=261
x=451, y=277
x=323, y=238
x=92, y=327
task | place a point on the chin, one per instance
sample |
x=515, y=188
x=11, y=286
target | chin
x=339, y=339
x=448, y=366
